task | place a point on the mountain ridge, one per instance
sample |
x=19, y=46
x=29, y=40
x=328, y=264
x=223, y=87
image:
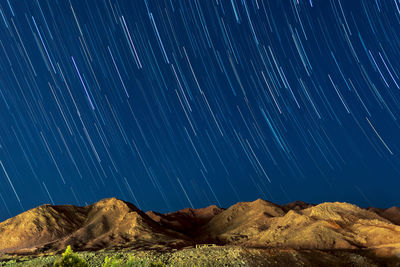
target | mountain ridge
x=113, y=223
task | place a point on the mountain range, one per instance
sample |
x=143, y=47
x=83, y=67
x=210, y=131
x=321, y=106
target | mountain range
x=113, y=223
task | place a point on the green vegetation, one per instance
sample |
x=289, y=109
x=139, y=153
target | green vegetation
x=205, y=256
x=116, y=261
x=213, y=256
x=70, y=259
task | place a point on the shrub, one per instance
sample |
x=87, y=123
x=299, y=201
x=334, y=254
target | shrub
x=70, y=259
x=112, y=262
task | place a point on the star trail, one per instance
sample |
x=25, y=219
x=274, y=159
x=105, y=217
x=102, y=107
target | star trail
x=172, y=104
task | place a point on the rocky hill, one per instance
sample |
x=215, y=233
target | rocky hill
x=107, y=223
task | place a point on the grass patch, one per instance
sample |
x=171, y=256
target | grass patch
x=116, y=261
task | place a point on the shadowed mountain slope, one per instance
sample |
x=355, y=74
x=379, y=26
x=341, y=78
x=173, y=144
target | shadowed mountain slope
x=187, y=220
x=392, y=214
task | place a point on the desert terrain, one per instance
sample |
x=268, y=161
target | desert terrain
x=257, y=233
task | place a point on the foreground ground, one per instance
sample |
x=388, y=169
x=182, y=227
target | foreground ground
x=221, y=256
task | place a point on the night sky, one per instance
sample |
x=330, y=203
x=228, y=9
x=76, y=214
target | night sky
x=173, y=104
